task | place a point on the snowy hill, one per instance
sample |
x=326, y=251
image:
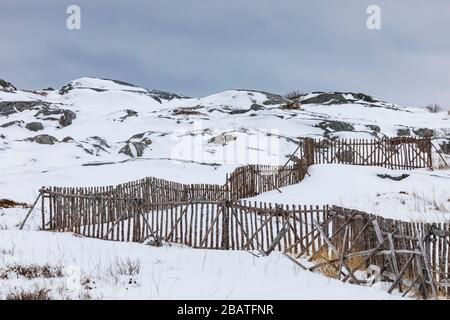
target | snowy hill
x=94, y=132
x=100, y=121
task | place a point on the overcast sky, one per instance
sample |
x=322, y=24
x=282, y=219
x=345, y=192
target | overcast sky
x=199, y=47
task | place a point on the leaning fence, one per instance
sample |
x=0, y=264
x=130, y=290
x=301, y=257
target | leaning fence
x=414, y=255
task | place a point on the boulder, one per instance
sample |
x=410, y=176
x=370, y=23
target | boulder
x=34, y=126
x=43, y=139
x=403, y=132
x=67, y=139
x=445, y=147
x=67, y=117
x=424, y=132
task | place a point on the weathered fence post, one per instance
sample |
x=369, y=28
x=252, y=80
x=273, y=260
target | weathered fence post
x=226, y=225
x=309, y=150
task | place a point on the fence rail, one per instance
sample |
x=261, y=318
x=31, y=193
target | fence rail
x=394, y=153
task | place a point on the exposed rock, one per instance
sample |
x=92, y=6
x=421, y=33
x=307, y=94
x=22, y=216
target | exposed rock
x=136, y=145
x=187, y=111
x=332, y=126
x=8, y=124
x=67, y=139
x=445, y=147
x=272, y=99
x=43, y=139
x=403, y=132
x=66, y=88
x=374, y=128
x=326, y=98
x=67, y=117
x=338, y=98
x=256, y=107
x=222, y=139
x=34, y=126
x=159, y=95
x=6, y=86
x=424, y=132
x=48, y=112
x=98, y=142
x=10, y=107
x=396, y=178
x=239, y=111
x=146, y=141
x=129, y=113
x=133, y=149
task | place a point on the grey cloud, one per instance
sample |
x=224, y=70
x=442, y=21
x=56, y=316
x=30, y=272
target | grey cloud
x=198, y=47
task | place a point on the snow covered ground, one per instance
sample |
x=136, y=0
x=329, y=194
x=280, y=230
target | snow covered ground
x=95, y=132
x=422, y=196
x=114, y=270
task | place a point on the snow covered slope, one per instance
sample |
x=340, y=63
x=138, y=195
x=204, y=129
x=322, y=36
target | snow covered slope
x=52, y=137
x=95, y=132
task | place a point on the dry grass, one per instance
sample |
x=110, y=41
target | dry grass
x=126, y=267
x=34, y=294
x=323, y=258
x=328, y=264
x=7, y=203
x=32, y=271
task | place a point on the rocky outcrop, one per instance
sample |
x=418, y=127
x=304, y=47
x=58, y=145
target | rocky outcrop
x=133, y=149
x=374, y=128
x=7, y=86
x=424, y=132
x=128, y=113
x=11, y=123
x=43, y=139
x=136, y=145
x=10, y=107
x=334, y=126
x=403, y=132
x=338, y=98
x=67, y=117
x=34, y=126
x=159, y=95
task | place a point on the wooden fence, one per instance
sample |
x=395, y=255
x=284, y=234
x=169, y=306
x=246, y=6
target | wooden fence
x=403, y=250
x=212, y=216
x=394, y=153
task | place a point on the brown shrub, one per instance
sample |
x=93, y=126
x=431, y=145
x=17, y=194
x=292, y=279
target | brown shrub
x=7, y=203
x=35, y=294
x=33, y=271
